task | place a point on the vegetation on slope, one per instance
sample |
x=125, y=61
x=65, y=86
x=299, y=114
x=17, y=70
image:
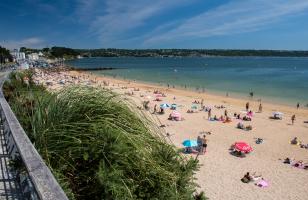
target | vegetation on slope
x=5, y=55
x=97, y=146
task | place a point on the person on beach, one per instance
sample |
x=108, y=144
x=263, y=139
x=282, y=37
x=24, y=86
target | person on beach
x=297, y=106
x=247, y=178
x=226, y=113
x=155, y=109
x=294, y=141
x=247, y=106
x=199, y=142
x=209, y=114
x=204, y=144
x=260, y=108
x=251, y=94
x=293, y=119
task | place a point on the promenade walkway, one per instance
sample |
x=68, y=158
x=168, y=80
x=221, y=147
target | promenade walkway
x=9, y=187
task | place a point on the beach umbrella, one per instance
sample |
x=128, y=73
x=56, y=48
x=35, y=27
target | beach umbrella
x=164, y=105
x=175, y=114
x=242, y=146
x=194, y=106
x=190, y=143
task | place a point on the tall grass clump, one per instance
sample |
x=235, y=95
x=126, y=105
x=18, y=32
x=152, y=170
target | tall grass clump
x=97, y=145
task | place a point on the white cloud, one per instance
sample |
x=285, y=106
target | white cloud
x=115, y=18
x=237, y=16
x=32, y=42
x=121, y=23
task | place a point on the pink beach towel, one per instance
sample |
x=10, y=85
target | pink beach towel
x=262, y=184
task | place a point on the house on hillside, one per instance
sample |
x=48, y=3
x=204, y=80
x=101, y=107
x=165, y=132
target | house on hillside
x=18, y=56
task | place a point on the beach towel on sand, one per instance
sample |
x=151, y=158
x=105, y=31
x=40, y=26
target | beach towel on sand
x=262, y=184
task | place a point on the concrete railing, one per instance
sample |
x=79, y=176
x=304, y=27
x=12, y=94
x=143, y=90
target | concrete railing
x=35, y=178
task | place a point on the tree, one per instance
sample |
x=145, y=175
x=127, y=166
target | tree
x=5, y=55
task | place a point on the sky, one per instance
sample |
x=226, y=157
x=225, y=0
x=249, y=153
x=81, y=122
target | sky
x=142, y=24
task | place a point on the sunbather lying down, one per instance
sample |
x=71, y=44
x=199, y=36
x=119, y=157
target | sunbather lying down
x=299, y=164
x=251, y=178
x=238, y=153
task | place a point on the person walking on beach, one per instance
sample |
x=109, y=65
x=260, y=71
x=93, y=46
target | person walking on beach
x=226, y=113
x=209, y=113
x=204, y=144
x=247, y=106
x=155, y=109
x=297, y=106
x=293, y=119
x=260, y=108
x=251, y=94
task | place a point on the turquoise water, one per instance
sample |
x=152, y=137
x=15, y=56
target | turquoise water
x=283, y=80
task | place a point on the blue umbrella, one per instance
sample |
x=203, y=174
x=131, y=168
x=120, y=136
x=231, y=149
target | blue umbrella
x=190, y=143
x=173, y=105
x=164, y=105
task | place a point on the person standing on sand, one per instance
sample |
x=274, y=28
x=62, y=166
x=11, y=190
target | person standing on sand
x=226, y=113
x=293, y=119
x=247, y=106
x=251, y=94
x=204, y=144
x=155, y=109
x=260, y=108
x=209, y=113
x=202, y=103
x=297, y=106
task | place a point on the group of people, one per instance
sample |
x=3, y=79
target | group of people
x=295, y=141
x=299, y=164
x=202, y=144
x=159, y=111
x=200, y=148
x=245, y=118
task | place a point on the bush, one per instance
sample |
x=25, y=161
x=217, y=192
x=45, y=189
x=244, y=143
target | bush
x=98, y=146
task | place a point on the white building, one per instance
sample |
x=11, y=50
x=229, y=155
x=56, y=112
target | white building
x=18, y=56
x=33, y=56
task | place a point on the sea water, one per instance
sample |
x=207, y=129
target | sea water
x=283, y=80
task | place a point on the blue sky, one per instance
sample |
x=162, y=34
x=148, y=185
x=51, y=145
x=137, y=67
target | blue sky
x=231, y=24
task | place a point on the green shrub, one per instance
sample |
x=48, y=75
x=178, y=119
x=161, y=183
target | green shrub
x=97, y=145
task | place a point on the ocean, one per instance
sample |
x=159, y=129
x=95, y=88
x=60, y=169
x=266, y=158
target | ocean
x=272, y=79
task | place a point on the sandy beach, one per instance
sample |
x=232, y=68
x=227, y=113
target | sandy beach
x=220, y=172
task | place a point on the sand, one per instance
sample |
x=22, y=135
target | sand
x=220, y=173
